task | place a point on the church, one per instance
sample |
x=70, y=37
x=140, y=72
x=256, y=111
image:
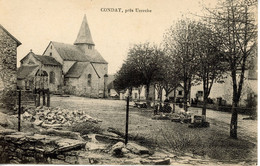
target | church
x=77, y=69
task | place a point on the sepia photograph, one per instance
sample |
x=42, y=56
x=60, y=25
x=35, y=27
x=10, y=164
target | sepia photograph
x=133, y=82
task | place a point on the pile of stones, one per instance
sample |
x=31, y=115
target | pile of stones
x=47, y=116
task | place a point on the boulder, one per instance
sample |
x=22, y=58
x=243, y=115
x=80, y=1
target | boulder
x=137, y=149
x=116, y=149
x=156, y=162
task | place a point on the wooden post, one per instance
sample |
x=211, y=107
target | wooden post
x=48, y=98
x=127, y=117
x=19, y=109
x=39, y=99
x=43, y=98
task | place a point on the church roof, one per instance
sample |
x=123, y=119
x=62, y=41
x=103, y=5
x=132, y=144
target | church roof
x=71, y=52
x=47, y=60
x=24, y=71
x=84, y=35
x=76, y=70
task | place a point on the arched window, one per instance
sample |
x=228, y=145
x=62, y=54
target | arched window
x=52, y=77
x=89, y=80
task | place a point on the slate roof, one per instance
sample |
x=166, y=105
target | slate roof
x=69, y=52
x=47, y=60
x=76, y=70
x=24, y=71
x=84, y=35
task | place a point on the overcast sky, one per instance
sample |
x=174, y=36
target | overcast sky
x=37, y=22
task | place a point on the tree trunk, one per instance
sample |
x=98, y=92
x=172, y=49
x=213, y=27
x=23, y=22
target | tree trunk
x=147, y=96
x=174, y=100
x=204, y=108
x=233, y=123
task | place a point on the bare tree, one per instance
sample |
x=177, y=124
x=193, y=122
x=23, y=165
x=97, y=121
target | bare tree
x=210, y=60
x=180, y=44
x=234, y=20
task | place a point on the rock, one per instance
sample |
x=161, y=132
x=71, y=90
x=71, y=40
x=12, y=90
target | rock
x=163, y=162
x=117, y=149
x=6, y=131
x=95, y=146
x=155, y=162
x=68, y=144
x=108, y=138
x=137, y=149
x=4, y=120
x=71, y=159
x=14, y=138
x=60, y=157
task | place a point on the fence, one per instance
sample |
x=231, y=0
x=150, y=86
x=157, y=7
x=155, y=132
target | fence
x=33, y=98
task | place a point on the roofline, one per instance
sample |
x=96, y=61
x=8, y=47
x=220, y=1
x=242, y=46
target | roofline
x=47, y=47
x=95, y=70
x=18, y=42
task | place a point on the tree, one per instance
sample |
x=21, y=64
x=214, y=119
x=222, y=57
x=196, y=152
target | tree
x=235, y=21
x=210, y=60
x=167, y=78
x=180, y=44
x=127, y=77
x=145, y=59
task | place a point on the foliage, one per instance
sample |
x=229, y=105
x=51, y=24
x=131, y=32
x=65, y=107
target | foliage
x=140, y=68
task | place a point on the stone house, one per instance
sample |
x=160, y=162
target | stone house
x=153, y=93
x=8, y=56
x=77, y=68
x=8, y=53
x=222, y=92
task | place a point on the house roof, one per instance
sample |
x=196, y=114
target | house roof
x=76, y=70
x=24, y=71
x=71, y=52
x=47, y=60
x=84, y=35
x=17, y=41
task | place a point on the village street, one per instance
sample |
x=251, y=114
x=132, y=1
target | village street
x=160, y=133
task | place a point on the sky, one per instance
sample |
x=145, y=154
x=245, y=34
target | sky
x=37, y=22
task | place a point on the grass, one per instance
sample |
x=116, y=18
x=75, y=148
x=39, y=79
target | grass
x=212, y=142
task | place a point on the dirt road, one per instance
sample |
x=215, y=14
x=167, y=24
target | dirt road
x=213, y=141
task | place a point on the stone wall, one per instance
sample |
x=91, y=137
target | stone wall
x=8, y=51
x=22, y=148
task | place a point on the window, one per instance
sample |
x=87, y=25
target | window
x=50, y=53
x=89, y=80
x=180, y=93
x=52, y=77
x=51, y=47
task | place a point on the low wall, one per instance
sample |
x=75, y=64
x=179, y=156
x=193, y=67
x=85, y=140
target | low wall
x=22, y=148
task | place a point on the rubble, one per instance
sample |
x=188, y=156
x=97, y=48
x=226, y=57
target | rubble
x=137, y=149
x=56, y=117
